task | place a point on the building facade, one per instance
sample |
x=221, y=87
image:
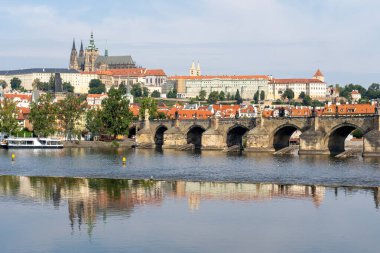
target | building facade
x=246, y=85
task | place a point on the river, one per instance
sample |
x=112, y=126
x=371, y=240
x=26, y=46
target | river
x=86, y=200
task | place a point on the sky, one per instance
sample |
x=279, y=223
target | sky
x=283, y=38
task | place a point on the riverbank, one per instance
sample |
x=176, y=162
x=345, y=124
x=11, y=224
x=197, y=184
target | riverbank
x=99, y=144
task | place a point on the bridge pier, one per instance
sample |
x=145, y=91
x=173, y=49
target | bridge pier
x=371, y=140
x=259, y=140
x=213, y=139
x=145, y=137
x=174, y=138
x=312, y=143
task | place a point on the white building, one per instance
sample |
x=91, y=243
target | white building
x=314, y=87
x=246, y=85
x=80, y=81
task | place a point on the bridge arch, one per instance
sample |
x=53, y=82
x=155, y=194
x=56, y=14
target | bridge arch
x=159, y=135
x=235, y=135
x=194, y=136
x=282, y=134
x=335, y=139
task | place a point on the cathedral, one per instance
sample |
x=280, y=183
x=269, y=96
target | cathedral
x=90, y=60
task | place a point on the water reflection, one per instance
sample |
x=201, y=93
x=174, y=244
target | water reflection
x=89, y=199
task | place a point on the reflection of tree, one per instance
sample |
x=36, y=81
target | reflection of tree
x=89, y=199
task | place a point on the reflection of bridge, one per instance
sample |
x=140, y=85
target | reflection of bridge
x=320, y=135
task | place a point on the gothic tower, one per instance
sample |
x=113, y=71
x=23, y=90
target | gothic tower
x=73, y=57
x=81, y=51
x=90, y=55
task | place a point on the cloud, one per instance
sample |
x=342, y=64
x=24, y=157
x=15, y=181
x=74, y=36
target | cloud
x=283, y=38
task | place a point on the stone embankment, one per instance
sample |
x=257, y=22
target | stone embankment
x=99, y=144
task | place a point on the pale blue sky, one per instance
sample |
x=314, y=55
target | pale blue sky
x=285, y=38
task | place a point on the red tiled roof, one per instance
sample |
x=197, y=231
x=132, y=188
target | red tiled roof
x=155, y=72
x=294, y=80
x=18, y=95
x=220, y=77
x=318, y=73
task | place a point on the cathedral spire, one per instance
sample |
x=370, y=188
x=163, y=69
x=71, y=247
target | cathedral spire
x=73, y=48
x=92, y=42
x=106, y=51
x=81, y=51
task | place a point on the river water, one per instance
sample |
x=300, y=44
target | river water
x=86, y=200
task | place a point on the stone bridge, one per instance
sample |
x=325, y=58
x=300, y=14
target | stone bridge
x=320, y=135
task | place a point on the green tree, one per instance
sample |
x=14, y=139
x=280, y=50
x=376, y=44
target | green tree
x=306, y=101
x=51, y=83
x=262, y=95
x=3, y=84
x=172, y=93
x=122, y=88
x=66, y=86
x=256, y=97
x=8, y=116
x=145, y=92
x=238, y=98
x=151, y=105
x=222, y=96
x=317, y=103
x=96, y=87
x=70, y=111
x=116, y=115
x=346, y=90
x=94, y=122
x=302, y=95
x=155, y=94
x=43, y=116
x=16, y=83
x=288, y=93
x=357, y=134
x=136, y=90
x=213, y=97
x=202, y=95
x=373, y=91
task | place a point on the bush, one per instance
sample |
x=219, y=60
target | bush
x=357, y=134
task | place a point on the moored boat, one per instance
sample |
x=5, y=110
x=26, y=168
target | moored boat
x=38, y=143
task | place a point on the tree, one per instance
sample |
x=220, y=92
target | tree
x=155, y=94
x=151, y=105
x=66, y=86
x=357, y=134
x=228, y=96
x=172, y=93
x=94, y=122
x=202, y=95
x=16, y=83
x=136, y=90
x=145, y=92
x=222, y=96
x=213, y=97
x=256, y=97
x=122, y=88
x=3, y=84
x=302, y=95
x=373, y=91
x=238, y=98
x=8, y=116
x=69, y=112
x=262, y=95
x=306, y=101
x=43, y=116
x=96, y=87
x=116, y=115
x=288, y=93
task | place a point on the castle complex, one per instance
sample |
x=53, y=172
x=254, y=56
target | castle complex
x=90, y=60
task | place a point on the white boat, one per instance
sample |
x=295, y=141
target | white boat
x=42, y=143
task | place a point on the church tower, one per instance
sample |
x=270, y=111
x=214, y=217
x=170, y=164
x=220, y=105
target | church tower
x=199, y=70
x=73, y=57
x=319, y=76
x=90, y=55
x=193, y=71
